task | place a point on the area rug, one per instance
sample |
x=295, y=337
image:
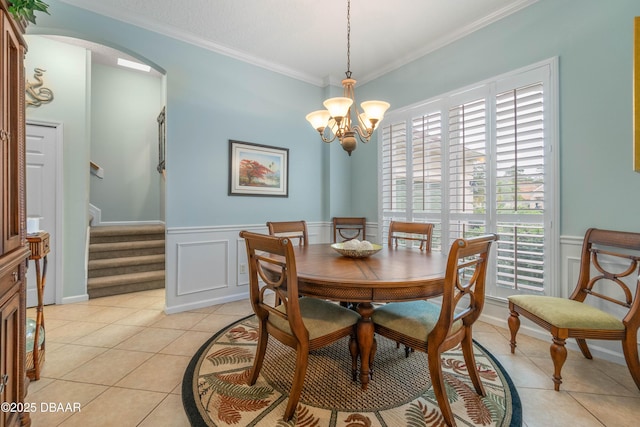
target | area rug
x=215, y=393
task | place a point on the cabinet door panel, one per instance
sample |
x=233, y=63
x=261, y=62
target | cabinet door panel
x=9, y=369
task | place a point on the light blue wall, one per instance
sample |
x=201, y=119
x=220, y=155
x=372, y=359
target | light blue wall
x=68, y=75
x=124, y=141
x=593, y=40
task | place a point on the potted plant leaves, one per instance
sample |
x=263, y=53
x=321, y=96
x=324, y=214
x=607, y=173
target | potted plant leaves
x=24, y=10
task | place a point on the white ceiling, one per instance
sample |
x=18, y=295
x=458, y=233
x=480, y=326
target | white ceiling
x=307, y=39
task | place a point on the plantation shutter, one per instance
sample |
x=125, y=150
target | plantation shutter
x=394, y=171
x=520, y=187
x=467, y=169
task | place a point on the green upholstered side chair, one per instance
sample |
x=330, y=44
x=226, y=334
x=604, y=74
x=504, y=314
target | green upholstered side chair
x=292, y=229
x=304, y=324
x=608, y=257
x=434, y=328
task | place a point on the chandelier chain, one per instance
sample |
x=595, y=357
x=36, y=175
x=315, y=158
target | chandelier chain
x=348, y=73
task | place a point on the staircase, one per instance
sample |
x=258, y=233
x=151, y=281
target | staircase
x=125, y=259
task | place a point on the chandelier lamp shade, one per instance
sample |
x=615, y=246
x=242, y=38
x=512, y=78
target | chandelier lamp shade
x=342, y=119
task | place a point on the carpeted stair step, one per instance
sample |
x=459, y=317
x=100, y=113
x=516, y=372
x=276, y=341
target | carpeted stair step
x=125, y=283
x=125, y=249
x=125, y=265
x=123, y=233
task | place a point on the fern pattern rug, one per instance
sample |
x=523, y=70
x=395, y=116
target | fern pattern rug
x=215, y=391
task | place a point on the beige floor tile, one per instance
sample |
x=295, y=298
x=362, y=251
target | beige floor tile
x=109, y=367
x=110, y=301
x=109, y=335
x=492, y=341
x=150, y=340
x=525, y=373
x=162, y=373
x=144, y=301
x=214, y=322
x=116, y=407
x=179, y=320
x=111, y=314
x=546, y=408
x=60, y=392
x=611, y=410
x=34, y=386
x=168, y=413
x=143, y=317
x=72, y=331
x=241, y=308
x=52, y=324
x=583, y=375
x=187, y=344
x=65, y=359
x=76, y=312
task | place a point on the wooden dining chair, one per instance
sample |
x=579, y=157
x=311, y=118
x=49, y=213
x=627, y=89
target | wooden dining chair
x=435, y=328
x=608, y=257
x=349, y=228
x=292, y=229
x=304, y=324
x=410, y=232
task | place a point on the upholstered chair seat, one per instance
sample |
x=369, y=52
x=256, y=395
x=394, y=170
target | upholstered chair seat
x=567, y=313
x=320, y=317
x=414, y=319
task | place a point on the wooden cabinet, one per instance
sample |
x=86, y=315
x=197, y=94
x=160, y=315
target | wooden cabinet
x=14, y=250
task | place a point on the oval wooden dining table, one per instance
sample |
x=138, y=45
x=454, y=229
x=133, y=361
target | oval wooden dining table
x=393, y=274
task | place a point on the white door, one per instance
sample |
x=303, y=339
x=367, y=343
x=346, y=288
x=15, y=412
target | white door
x=41, y=201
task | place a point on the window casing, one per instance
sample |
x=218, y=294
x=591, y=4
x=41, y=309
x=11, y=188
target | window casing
x=481, y=160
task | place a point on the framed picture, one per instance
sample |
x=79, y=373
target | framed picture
x=258, y=170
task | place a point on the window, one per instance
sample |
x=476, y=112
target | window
x=481, y=160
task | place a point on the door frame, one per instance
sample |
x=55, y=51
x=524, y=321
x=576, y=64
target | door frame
x=59, y=201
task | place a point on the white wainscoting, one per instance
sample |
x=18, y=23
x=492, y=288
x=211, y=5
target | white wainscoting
x=208, y=265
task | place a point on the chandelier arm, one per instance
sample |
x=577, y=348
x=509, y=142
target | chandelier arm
x=365, y=135
x=325, y=139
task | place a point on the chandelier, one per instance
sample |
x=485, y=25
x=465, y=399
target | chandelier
x=337, y=117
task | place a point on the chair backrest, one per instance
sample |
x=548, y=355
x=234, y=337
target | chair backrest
x=272, y=262
x=291, y=229
x=411, y=231
x=608, y=257
x=349, y=228
x=464, y=287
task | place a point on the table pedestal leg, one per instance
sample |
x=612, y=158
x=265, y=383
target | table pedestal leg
x=366, y=342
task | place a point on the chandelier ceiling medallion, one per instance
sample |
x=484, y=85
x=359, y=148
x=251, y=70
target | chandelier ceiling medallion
x=338, y=114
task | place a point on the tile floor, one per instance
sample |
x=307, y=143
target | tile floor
x=122, y=359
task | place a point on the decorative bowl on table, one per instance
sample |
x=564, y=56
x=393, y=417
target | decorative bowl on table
x=356, y=249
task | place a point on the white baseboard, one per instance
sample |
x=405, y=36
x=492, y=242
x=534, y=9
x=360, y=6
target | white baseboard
x=76, y=298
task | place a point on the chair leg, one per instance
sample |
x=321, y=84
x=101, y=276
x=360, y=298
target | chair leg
x=302, y=357
x=559, y=356
x=630, y=350
x=353, y=349
x=514, y=326
x=261, y=348
x=582, y=344
x=470, y=361
x=437, y=381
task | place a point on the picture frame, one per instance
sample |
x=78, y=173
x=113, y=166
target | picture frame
x=636, y=94
x=258, y=170
x=162, y=141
